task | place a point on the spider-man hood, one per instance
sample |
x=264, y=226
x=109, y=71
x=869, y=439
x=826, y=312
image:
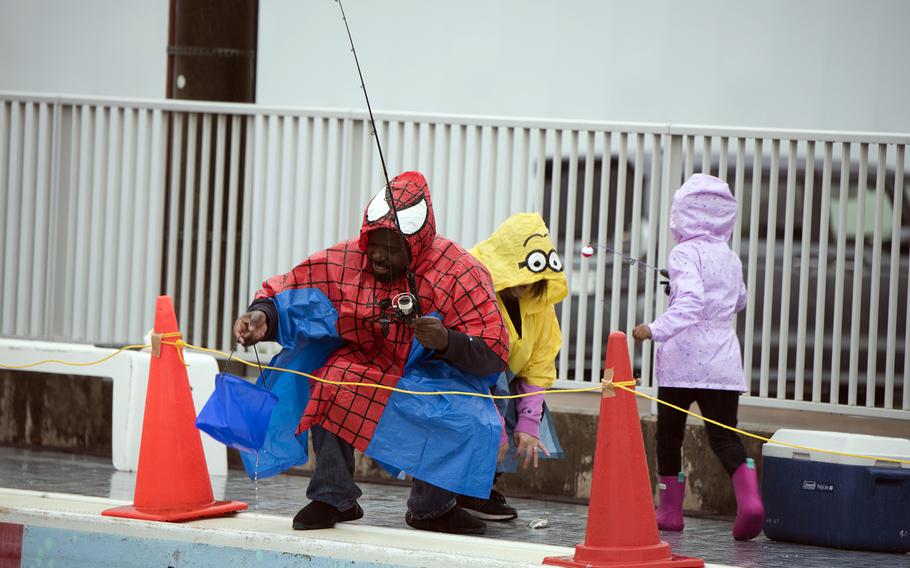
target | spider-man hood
x=415, y=213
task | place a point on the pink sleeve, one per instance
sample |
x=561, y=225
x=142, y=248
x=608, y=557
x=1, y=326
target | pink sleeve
x=530, y=409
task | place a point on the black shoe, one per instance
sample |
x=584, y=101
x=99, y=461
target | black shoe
x=454, y=521
x=319, y=515
x=493, y=509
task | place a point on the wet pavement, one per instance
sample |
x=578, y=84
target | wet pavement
x=384, y=505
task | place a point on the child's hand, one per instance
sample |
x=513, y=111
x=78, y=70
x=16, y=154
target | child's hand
x=641, y=332
x=528, y=446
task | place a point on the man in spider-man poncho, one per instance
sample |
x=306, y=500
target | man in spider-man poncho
x=335, y=316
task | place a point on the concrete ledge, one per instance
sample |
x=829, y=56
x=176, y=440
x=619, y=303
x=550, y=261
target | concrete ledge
x=71, y=529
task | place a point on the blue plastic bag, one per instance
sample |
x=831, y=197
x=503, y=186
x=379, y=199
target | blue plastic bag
x=238, y=413
x=449, y=441
x=306, y=330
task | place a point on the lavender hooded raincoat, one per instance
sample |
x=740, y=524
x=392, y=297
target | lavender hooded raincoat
x=699, y=348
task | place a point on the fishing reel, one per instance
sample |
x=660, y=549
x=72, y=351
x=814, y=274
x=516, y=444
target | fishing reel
x=664, y=273
x=402, y=309
x=406, y=308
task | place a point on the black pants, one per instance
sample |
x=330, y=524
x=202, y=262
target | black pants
x=333, y=480
x=719, y=405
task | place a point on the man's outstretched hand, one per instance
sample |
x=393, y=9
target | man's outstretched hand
x=431, y=333
x=251, y=327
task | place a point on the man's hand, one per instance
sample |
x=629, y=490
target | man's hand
x=528, y=446
x=251, y=327
x=431, y=333
x=641, y=332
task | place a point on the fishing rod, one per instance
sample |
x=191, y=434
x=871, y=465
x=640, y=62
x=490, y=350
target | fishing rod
x=410, y=307
x=588, y=250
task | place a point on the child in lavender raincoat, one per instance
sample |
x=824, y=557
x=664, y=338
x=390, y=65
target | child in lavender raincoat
x=699, y=357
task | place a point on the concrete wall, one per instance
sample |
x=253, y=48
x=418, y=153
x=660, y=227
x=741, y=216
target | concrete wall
x=56, y=412
x=89, y=47
x=818, y=64
x=815, y=64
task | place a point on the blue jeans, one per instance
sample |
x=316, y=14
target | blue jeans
x=333, y=480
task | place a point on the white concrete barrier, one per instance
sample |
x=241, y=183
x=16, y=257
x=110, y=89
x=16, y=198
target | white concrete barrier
x=129, y=372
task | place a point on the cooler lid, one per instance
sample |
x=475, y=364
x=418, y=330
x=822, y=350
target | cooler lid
x=872, y=446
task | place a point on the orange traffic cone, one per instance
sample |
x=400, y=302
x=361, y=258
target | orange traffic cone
x=172, y=483
x=622, y=527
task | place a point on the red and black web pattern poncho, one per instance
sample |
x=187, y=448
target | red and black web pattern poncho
x=449, y=281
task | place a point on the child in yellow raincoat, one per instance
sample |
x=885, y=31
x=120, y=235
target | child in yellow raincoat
x=529, y=281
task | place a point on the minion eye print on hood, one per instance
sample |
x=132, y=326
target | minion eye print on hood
x=521, y=252
x=554, y=261
x=537, y=261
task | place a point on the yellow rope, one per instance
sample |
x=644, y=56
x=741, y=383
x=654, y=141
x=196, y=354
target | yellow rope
x=625, y=385
x=75, y=364
x=756, y=436
x=178, y=345
x=404, y=391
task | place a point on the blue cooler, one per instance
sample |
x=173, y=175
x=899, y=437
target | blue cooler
x=838, y=501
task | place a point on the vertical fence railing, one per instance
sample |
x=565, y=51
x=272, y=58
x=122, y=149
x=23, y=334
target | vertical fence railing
x=82, y=198
x=108, y=203
x=837, y=242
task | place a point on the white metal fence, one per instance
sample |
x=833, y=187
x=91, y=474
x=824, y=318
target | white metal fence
x=107, y=203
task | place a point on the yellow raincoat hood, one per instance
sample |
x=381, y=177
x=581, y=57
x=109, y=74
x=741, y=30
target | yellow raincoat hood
x=521, y=252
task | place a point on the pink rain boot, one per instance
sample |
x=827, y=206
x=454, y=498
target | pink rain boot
x=750, y=512
x=669, y=510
